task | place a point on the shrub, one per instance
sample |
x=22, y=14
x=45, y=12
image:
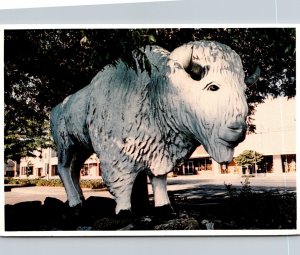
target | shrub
x=248, y=175
x=92, y=184
x=49, y=183
x=265, y=209
x=25, y=182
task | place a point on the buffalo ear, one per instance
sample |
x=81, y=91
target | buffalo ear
x=253, y=78
x=196, y=71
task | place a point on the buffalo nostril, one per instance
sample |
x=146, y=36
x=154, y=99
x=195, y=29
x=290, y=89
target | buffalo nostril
x=234, y=127
x=237, y=130
x=237, y=126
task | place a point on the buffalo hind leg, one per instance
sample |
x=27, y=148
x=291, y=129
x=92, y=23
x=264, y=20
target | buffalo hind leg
x=72, y=193
x=76, y=164
x=65, y=152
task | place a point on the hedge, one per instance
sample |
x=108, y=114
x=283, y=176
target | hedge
x=92, y=184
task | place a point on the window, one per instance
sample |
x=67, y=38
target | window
x=288, y=163
x=29, y=170
x=54, y=170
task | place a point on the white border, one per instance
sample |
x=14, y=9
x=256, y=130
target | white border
x=156, y=233
x=21, y=4
x=137, y=233
x=297, y=119
x=2, y=201
x=141, y=25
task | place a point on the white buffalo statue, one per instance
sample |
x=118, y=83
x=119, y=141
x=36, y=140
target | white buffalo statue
x=137, y=122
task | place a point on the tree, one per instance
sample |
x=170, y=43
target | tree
x=248, y=158
x=42, y=67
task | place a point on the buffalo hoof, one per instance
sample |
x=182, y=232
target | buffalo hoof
x=165, y=212
x=121, y=221
x=76, y=210
x=124, y=214
x=72, y=217
x=82, y=198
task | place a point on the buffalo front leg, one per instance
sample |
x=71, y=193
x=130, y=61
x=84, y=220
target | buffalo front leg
x=122, y=191
x=120, y=185
x=72, y=193
x=163, y=208
x=159, y=186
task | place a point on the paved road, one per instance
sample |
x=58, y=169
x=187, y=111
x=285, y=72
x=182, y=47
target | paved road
x=184, y=186
x=209, y=187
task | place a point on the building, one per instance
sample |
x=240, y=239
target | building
x=274, y=138
x=44, y=165
x=11, y=169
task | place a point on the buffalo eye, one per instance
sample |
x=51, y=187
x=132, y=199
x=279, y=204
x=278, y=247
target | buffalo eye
x=213, y=87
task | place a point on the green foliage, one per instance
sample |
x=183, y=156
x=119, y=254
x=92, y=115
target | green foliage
x=248, y=158
x=42, y=67
x=48, y=183
x=244, y=192
x=22, y=182
x=9, y=180
x=249, y=209
x=91, y=184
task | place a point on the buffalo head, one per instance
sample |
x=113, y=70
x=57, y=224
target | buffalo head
x=210, y=81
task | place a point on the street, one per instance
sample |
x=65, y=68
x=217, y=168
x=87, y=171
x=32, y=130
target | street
x=190, y=186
